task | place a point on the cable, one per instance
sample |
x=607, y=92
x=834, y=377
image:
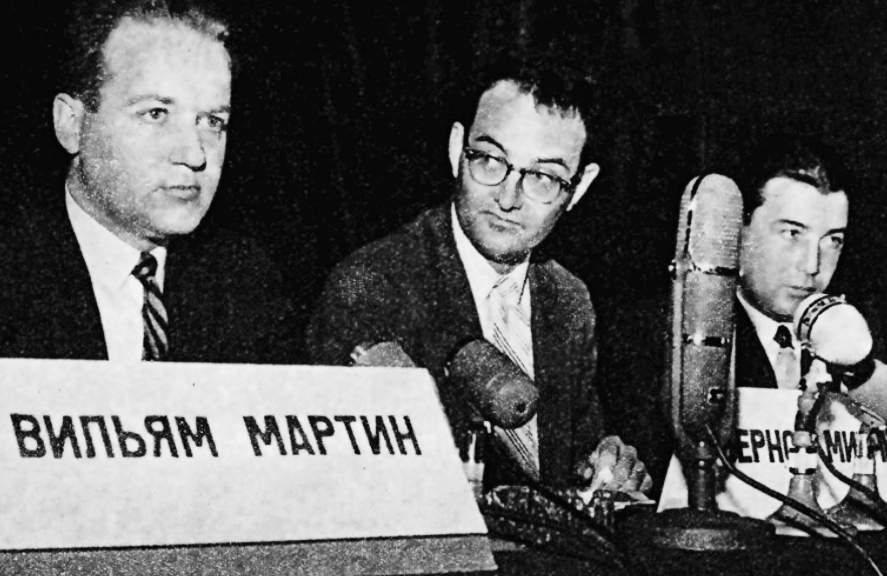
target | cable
x=603, y=538
x=879, y=509
x=819, y=517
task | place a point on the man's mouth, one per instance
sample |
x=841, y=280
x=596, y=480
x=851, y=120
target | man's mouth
x=498, y=221
x=183, y=191
x=801, y=291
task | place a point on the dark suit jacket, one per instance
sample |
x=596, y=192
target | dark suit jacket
x=753, y=369
x=411, y=287
x=225, y=300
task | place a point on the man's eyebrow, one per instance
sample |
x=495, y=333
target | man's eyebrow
x=221, y=110
x=558, y=161
x=840, y=229
x=145, y=97
x=490, y=140
x=792, y=223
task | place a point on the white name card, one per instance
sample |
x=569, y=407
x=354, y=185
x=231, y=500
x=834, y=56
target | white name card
x=96, y=454
x=763, y=438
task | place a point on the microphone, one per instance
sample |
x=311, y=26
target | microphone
x=704, y=274
x=497, y=389
x=700, y=353
x=381, y=354
x=835, y=332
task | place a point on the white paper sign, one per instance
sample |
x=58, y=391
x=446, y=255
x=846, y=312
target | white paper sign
x=96, y=454
x=763, y=437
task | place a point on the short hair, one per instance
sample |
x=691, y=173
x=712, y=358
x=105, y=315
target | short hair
x=91, y=22
x=548, y=79
x=800, y=158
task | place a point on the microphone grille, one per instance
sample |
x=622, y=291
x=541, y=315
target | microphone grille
x=711, y=221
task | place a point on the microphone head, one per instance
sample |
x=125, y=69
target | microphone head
x=833, y=329
x=710, y=222
x=500, y=391
x=388, y=354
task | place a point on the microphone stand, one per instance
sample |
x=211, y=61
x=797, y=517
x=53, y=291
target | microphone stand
x=701, y=526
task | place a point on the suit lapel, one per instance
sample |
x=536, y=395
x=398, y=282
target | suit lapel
x=69, y=295
x=753, y=369
x=458, y=313
x=548, y=355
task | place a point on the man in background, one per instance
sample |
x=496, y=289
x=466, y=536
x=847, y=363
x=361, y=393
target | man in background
x=796, y=208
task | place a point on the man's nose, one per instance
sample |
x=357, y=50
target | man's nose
x=510, y=196
x=188, y=148
x=811, y=257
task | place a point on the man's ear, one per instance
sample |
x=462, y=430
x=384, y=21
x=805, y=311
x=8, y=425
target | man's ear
x=588, y=175
x=67, y=119
x=457, y=140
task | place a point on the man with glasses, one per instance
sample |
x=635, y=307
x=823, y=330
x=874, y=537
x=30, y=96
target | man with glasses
x=465, y=270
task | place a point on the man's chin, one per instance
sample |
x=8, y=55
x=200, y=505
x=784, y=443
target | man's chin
x=171, y=228
x=505, y=257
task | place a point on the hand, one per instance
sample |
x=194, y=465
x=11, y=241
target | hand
x=614, y=465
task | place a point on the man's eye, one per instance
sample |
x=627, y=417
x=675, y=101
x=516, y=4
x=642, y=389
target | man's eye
x=155, y=115
x=489, y=161
x=216, y=123
x=790, y=233
x=542, y=178
x=836, y=242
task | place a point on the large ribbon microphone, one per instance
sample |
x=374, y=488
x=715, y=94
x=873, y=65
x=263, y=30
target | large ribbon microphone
x=704, y=274
x=702, y=394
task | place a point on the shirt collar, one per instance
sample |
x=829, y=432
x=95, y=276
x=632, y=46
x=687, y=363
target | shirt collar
x=765, y=327
x=109, y=259
x=481, y=274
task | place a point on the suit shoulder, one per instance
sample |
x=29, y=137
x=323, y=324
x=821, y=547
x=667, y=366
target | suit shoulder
x=569, y=287
x=401, y=254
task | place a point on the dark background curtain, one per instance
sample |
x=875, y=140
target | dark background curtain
x=342, y=112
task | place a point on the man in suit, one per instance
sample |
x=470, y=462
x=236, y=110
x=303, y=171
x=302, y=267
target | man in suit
x=110, y=268
x=796, y=204
x=520, y=158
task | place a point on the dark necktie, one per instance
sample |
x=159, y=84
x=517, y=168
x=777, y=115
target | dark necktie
x=156, y=324
x=787, y=369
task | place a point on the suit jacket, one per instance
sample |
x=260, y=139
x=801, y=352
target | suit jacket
x=225, y=300
x=411, y=287
x=753, y=368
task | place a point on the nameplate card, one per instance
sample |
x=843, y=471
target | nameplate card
x=762, y=446
x=98, y=454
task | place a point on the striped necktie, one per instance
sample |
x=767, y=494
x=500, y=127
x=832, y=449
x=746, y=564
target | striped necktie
x=511, y=334
x=156, y=323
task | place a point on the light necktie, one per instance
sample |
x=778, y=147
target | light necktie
x=787, y=369
x=156, y=323
x=511, y=334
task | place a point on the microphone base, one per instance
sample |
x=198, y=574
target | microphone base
x=697, y=530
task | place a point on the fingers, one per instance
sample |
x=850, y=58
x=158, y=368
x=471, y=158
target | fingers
x=614, y=465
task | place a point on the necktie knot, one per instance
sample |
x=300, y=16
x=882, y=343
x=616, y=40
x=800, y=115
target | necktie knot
x=783, y=337
x=508, y=289
x=146, y=269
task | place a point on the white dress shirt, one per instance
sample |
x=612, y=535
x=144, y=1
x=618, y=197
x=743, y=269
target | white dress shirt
x=482, y=276
x=119, y=294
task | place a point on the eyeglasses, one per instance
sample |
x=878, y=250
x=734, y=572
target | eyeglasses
x=491, y=170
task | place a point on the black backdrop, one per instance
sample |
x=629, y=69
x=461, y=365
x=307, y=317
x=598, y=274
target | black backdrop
x=341, y=116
